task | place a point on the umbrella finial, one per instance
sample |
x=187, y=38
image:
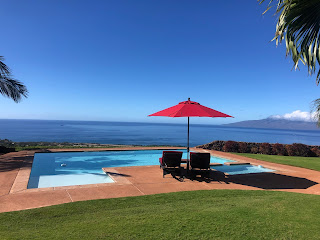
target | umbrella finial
x=188, y=99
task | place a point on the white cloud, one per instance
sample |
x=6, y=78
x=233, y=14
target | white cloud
x=297, y=115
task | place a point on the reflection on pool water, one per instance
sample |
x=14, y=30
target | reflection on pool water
x=79, y=168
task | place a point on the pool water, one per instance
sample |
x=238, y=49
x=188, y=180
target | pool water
x=241, y=169
x=79, y=168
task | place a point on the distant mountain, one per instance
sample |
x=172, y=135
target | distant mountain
x=275, y=123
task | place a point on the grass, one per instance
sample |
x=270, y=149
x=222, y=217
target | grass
x=215, y=214
x=304, y=162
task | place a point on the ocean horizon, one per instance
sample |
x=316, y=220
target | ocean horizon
x=143, y=133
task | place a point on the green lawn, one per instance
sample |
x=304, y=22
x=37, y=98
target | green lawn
x=215, y=214
x=305, y=162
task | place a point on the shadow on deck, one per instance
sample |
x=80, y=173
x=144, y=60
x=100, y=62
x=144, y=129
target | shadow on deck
x=271, y=181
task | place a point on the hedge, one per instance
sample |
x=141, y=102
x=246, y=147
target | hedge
x=295, y=149
x=6, y=149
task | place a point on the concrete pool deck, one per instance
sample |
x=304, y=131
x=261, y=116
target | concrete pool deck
x=15, y=169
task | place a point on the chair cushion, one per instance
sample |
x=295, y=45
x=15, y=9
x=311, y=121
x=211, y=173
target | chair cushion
x=171, y=158
x=200, y=160
x=170, y=152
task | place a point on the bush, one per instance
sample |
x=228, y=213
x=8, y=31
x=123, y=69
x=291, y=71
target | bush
x=243, y=148
x=254, y=150
x=298, y=149
x=265, y=148
x=295, y=149
x=279, y=149
x=315, y=151
x=6, y=149
x=231, y=146
x=215, y=145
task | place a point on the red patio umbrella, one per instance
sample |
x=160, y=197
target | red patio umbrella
x=189, y=109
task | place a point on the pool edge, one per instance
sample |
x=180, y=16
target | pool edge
x=21, y=181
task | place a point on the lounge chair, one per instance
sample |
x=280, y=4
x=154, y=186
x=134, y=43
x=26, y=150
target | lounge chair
x=171, y=162
x=200, y=164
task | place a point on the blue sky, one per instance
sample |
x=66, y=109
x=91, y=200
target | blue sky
x=122, y=60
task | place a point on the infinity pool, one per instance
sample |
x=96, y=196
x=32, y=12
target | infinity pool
x=79, y=168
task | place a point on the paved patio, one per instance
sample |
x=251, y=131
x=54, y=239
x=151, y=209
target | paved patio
x=135, y=181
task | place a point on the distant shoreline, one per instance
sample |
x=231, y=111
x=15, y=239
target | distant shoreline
x=281, y=124
x=65, y=145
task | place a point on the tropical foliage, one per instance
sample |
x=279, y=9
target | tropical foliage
x=10, y=87
x=298, y=25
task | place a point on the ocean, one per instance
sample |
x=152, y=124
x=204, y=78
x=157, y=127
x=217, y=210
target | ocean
x=132, y=133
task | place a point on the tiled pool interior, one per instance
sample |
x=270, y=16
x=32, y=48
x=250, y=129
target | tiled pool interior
x=79, y=168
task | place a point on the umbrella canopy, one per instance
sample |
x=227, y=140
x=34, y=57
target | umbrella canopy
x=189, y=109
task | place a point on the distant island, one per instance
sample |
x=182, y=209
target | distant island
x=275, y=123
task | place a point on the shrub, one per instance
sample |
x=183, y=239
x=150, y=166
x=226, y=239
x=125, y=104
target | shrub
x=295, y=149
x=215, y=145
x=231, y=146
x=279, y=149
x=315, y=151
x=6, y=149
x=298, y=149
x=265, y=148
x=206, y=146
x=290, y=150
x=254, y=150
x=243, y=148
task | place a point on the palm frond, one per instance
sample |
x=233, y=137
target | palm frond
x=316, y=110
x=299, y=25
x=4, y=70
x=10, y=87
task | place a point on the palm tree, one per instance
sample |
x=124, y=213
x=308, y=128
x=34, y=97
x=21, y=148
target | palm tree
x=298, y=25
x=10, y=87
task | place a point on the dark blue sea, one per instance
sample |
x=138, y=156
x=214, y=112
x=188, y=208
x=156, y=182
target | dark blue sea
x=132, y=133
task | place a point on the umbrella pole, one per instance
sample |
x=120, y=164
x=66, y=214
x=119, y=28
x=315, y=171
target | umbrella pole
x=188, y=148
